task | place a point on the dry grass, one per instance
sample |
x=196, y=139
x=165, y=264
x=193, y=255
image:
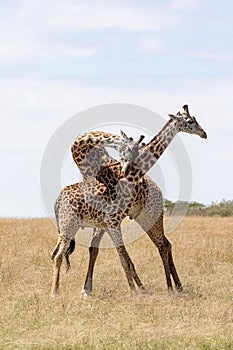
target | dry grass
x=201, y=318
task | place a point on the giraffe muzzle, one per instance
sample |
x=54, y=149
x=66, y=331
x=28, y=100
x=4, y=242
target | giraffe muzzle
x=204, y=135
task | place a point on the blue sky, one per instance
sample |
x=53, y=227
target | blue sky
x=60, y=57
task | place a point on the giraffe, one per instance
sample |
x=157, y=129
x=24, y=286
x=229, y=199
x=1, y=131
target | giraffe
x=133, y=171
x=140, y=198
x=89, y=153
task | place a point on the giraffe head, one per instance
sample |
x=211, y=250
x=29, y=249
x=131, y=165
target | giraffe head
x=129, y=149
x=187, y=123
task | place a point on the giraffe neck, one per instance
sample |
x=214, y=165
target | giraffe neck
x=150, y=153
x=89, y=153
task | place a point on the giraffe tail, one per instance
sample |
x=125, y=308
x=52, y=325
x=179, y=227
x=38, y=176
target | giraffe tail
x=69, y=251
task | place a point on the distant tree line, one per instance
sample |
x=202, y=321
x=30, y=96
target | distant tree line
x=222, y=208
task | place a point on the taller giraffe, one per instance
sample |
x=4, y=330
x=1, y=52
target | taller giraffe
x=77, y=205
x=133, y=171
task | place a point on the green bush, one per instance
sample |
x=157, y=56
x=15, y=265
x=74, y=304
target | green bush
x=223, y=208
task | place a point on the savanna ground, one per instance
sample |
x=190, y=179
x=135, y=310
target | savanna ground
x=200, y=318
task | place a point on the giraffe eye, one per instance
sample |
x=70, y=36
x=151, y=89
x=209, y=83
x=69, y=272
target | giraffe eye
x=190, y=121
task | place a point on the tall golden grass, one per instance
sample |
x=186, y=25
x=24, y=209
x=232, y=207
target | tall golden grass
x=200, y=318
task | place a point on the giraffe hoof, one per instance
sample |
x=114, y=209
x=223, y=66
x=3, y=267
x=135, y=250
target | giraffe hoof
x=133, y=293
x=54, y=295
x=143, y=290
x=86, y=294
x=179, y=288
x=170, y=292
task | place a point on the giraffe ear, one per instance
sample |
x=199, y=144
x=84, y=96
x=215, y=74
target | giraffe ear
x=186, y=109
x=124, y=135
x=143, y=144
x=141, y=138
x=174, y=117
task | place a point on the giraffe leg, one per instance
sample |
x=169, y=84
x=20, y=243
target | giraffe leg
x=172, y=268
x=173, y=271
x=126, y=265
x=60, y=250
x=69, y=251
x=156, y=233
x=126, y=262
x=93, y=253
x=164, y=251
x=55, y=250
x=133, y=272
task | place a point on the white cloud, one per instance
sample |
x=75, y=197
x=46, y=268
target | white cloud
x=14, y=54
x=31, y=31
x=103, y=15
x=218, y=56
x=25, y=34
x=16, y=49
x=72, y=51
x=183, y=5
x=150, y=43
x=113, y=14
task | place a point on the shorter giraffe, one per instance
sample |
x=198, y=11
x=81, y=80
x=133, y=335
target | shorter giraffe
x=89, y=153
